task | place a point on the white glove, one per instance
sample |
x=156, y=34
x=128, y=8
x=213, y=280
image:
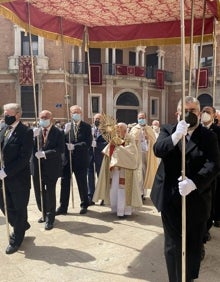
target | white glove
x=181, y=130
x=186, y=186
x=36, y=131
x=70, y=146
x=40, y=155
x=2, y=174
x=67, y=127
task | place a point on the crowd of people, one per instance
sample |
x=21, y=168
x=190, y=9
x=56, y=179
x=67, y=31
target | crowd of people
x=116, y=172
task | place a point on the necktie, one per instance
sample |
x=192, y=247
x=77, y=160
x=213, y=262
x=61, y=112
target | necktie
x=96, y=133
x=45, y=134
x=187, y=137
x=7, y=134
x=75, y=129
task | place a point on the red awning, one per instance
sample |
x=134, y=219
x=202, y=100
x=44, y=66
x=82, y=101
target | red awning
x=112, y=23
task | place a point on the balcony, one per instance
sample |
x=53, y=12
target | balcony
x=41, y=64
x=119, y=69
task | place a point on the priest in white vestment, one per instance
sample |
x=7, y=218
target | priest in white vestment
x=118, y=182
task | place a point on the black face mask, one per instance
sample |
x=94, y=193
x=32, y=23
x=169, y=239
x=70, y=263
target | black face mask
x=9, y=120
x=97, y=123
x=191, y=118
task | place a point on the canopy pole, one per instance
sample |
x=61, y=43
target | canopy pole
x=214, y=64
x=67, y=99
x=191, y=46
x=4, y=199
x=90, y=93
x=35, y=106
x=183, y=140
x=89, y=68
x=201, y=45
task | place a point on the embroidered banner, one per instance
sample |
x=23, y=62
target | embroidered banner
x=96, y=74
x=160, y=79
x=121, y=70
x=139, y=71
x=131, y=70
x=203, y=78
x=25, y=71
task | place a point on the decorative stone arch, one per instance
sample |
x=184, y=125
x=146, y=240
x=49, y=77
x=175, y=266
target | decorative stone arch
x=205, y=99
x=126, y=106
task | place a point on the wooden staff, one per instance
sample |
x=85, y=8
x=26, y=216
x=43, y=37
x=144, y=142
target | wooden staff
x=35, y=107
x=67, y=98
x=183, y=142
x=4, y=198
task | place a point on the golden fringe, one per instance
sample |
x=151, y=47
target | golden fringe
x=103, y=44
x=36, y=31
x=147, y=42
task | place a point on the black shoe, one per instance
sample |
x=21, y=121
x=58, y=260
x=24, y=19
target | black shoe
x=11, y=249
x=91, y=203
x=60, y=211
x=102, y=203
x=41, y=220
x=27, y=226
x=83, y=211
x=48, y=226
x=217, y=223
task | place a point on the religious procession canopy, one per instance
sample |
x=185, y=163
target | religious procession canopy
x=112, y=23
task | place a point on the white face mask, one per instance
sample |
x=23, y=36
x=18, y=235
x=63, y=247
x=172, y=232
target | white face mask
x=44, y=122
x=205, y=117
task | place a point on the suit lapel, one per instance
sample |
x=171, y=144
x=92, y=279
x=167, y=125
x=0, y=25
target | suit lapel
x=193, y=141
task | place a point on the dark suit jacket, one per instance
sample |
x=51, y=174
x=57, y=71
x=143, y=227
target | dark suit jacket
x=51, y=167
x=96, y=154
x=16, y=156
x=80, y=154
x=202, y=165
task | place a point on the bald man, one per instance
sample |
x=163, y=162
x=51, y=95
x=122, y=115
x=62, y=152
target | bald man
x=51, y=148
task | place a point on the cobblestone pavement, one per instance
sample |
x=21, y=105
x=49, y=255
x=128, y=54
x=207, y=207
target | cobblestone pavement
x=96, y=246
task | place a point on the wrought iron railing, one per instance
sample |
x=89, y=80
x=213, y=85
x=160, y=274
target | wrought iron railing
x=111, y=69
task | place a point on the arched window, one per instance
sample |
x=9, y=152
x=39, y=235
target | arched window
x=127, y=107
x=127, y=99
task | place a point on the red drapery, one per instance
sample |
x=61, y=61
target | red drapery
x=25, y=71
x=203, y=78
x=96, y=74
x=160, y=79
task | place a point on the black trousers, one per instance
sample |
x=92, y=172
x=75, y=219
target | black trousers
x=171, y=219
x=216, y=212
x=17, y=201
x=94, y=168
x=81, y=179
x=48, y=195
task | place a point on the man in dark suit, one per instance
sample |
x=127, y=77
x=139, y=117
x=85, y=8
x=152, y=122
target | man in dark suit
x=16, y=148
x=78, y=138
x=201, y=167
x=208, y=120
x=95, y=155
x=49, y=152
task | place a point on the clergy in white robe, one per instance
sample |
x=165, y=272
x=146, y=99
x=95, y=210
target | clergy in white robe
x=118, y=182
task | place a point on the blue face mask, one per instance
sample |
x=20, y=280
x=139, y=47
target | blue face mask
x=76, y=117
x=44, y=122
x=142, y=121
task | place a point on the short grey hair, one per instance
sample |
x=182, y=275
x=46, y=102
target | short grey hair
x=13, y=106
x=188, y=100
